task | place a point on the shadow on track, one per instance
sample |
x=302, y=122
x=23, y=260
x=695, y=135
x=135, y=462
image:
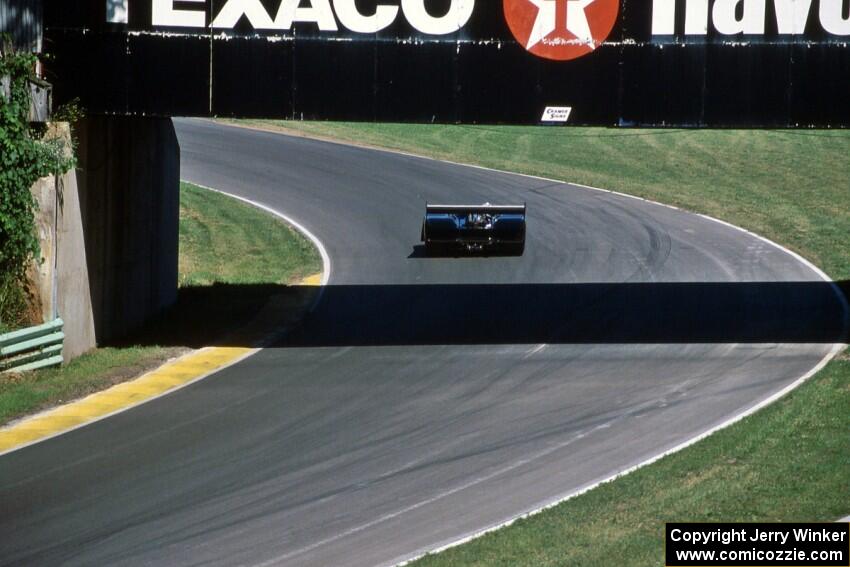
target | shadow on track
x=226, y=315
x=395, y=315
x=757, y=312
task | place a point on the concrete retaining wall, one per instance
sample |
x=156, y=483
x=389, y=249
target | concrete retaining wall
x=109, y=231
x=129, y=186
x=61, y=278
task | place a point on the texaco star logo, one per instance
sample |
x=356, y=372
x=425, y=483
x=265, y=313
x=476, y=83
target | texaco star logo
x=561, y=29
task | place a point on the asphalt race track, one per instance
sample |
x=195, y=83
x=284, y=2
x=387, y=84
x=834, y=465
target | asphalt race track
x=425, y=398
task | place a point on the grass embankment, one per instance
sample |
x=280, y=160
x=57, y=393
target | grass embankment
x=790, y=461
x=790, y=186
x=233, y=258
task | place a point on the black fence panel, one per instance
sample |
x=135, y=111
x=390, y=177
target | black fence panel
x=717, y=63
x=21, y=21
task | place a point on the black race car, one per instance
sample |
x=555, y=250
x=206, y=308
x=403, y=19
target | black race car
x=474, y=228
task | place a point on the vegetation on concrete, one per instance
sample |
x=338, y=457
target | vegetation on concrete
x=233, y=259
x=788, y=462
x=25, y=156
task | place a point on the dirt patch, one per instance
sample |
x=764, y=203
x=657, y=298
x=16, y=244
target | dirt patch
x=123, y=374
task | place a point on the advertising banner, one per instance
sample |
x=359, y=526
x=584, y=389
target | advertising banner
x=608, y=62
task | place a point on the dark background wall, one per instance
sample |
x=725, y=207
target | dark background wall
x=478, y=74
x=22, y=21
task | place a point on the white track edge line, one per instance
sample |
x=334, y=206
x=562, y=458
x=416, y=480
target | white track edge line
x=837, y=347
x=326, y=259
x=127, y=408
x=841, y=298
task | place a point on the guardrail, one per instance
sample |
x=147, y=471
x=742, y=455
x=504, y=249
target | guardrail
x=32, y=348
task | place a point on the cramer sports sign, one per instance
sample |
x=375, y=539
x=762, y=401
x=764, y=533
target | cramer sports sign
x=614, y=62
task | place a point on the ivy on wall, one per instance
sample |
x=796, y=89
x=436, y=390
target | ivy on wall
x=25, y=156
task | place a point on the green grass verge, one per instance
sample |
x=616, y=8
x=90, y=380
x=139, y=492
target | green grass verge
x=22, y=394
x=790, y=186
x=226, y=241
x=235, y=261
x=788, y=462
x=233, y=258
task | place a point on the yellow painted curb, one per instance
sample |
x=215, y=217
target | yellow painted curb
x=170, y=376
x=314, y=280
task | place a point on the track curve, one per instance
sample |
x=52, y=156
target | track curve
x=425, y=399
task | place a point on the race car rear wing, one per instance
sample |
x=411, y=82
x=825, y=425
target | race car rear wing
x=471, y=209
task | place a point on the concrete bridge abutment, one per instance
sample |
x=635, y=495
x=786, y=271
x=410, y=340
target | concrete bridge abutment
x=109, y=230
x=129, y=188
